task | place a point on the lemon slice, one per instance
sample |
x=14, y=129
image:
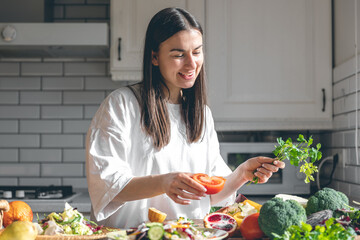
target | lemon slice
x=155, y=215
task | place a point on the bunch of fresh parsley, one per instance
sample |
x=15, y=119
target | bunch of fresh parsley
x=299, y=153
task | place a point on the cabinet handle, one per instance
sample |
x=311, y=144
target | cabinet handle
x=324, y=99
x=119, y=49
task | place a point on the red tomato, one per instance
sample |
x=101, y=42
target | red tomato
x=250, y=229
x=212, y=184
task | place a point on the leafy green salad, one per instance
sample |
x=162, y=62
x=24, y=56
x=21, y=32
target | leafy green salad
x=69, y=222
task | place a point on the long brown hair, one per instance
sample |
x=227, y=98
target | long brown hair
x=154, y=114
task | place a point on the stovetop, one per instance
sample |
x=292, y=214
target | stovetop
x=37, y=193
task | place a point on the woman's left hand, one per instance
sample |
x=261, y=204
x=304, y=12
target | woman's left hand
x=261, y=167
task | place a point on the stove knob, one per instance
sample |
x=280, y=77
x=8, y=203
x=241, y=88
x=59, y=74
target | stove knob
x=20, y=193
x=7, y=194
x=8, y=34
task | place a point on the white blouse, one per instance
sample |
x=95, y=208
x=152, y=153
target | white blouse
x=118, y=149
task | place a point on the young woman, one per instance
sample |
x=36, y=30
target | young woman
x=147, y=140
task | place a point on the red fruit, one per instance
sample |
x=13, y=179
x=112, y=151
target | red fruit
x=220, y=221
x=213, y=184
x=250, y=229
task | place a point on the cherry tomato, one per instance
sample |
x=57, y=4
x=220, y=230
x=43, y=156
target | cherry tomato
x=212, y=184
x=250, y=229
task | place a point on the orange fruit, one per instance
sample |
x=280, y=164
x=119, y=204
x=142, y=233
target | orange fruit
x=19, y=211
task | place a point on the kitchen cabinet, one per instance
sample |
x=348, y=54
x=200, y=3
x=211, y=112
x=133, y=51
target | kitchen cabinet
x=129, y=20
x=269, y=64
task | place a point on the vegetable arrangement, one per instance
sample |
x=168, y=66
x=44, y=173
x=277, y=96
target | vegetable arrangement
x=298, y=153
x=69, y=222
x=329, y=216
x=183, y=228
x=331, y=230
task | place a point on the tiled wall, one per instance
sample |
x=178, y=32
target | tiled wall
x=346, y=177
x=45, y=110
x=46, y=106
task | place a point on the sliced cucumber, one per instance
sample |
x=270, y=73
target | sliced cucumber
x=151, y=224
x=155, y=232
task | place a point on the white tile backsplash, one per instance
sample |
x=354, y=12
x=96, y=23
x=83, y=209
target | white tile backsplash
x=19, y=140
x=40, y=126
x=9, y=97
x=9, y=155
x=20, y=169
x=76, y=126
x=62, y=112
x=46, y=105
x=75, y=182
x=19, y=112
x=40, y=97
x=40, y=155
x=62, y=140
x=9, y=69
x=63, y=83
x=20, y=83
x=9, y=126
x=101, y=83
x=39, y=181
x=85, y=69
x=8, y=181
x=41, y=69
x=74, y=155
x=62, y=170
x=89, y=97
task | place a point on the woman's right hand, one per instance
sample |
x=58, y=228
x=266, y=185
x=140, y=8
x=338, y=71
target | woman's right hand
x=181, y=188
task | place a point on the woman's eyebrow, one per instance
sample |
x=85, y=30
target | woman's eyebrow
x=182, y=50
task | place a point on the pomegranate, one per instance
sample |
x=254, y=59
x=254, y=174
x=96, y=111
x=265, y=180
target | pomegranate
x=221, y=221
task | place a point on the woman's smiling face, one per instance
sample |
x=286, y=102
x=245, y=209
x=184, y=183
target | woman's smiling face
x=180, y=59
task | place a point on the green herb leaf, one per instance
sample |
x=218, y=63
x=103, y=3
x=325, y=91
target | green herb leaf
x=299, y=154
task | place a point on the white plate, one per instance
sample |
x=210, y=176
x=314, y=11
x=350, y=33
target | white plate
x=216, y=234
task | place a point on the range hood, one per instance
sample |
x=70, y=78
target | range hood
x=59, y=40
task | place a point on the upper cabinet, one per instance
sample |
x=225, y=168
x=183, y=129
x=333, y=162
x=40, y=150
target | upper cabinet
x=129, y=20
x=269, y=64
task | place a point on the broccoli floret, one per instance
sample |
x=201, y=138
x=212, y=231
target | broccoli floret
x=276, y=215
x=327, y=198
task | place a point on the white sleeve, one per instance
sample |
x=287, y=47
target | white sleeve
x=218, y=165
x=106, y=163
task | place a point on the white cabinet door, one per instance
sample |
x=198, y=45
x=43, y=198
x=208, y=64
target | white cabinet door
x=129, y=20
x=269, y=64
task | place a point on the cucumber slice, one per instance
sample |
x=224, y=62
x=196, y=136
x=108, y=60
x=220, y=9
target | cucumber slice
x=155, y=232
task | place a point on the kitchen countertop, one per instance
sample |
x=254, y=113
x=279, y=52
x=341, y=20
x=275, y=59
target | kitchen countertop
x=81, y=201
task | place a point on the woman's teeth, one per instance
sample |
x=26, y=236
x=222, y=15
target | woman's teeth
x=186, y=75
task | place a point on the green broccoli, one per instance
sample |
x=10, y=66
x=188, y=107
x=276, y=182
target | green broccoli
x=327, y=198
x=276, y=215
